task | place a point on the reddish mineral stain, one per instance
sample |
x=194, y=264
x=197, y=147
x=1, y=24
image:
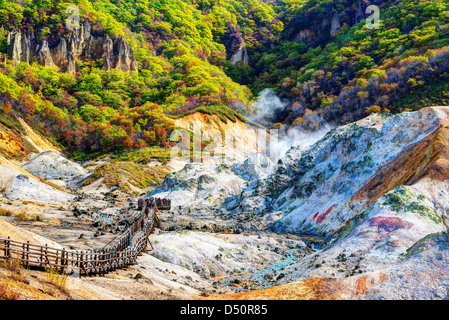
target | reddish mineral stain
x=389, y=223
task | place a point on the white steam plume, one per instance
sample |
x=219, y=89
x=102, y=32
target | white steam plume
x=296, y=137
x=267, y=106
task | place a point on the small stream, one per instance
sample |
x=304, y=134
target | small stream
x=262, y=278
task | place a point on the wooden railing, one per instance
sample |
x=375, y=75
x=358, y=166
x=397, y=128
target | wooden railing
x=160, y=203
x=87, y=262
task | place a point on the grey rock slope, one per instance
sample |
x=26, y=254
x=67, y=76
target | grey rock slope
x=51, y=166
x=375, y=190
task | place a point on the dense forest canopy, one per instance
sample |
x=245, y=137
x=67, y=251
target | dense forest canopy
x=215, y=56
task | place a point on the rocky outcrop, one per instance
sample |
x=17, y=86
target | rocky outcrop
x=235, y=45
x=198, y=185
x=43, y=54
x=123, y=56
x=315, y=27
x=50, y=166
x=359, y=14
x=20, y=45
x=62, y=52
x=335, y=23
x=23, y=187
x=305, y=36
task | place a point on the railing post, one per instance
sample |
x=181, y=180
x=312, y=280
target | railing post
x=101, y=258
x=108, y=259
x=62, y=259
x=8, y=248
x=72, y=260
x=23, y=251
x=56, y=259
x=78, y=264
x=105, y=260
x=47, y=260
x=81, y=261
x=28, y=253
x=95, y=259
x=42, y=257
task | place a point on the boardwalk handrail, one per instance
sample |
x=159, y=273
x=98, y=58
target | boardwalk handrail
x=87, y=262
x=161, y=203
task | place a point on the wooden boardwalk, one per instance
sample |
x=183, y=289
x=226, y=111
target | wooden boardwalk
x=123, y=253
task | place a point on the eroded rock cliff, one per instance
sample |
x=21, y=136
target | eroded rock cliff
x=235, y=45
x=63, y=52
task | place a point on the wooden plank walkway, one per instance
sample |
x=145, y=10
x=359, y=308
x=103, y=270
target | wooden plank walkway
x=122, y=254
